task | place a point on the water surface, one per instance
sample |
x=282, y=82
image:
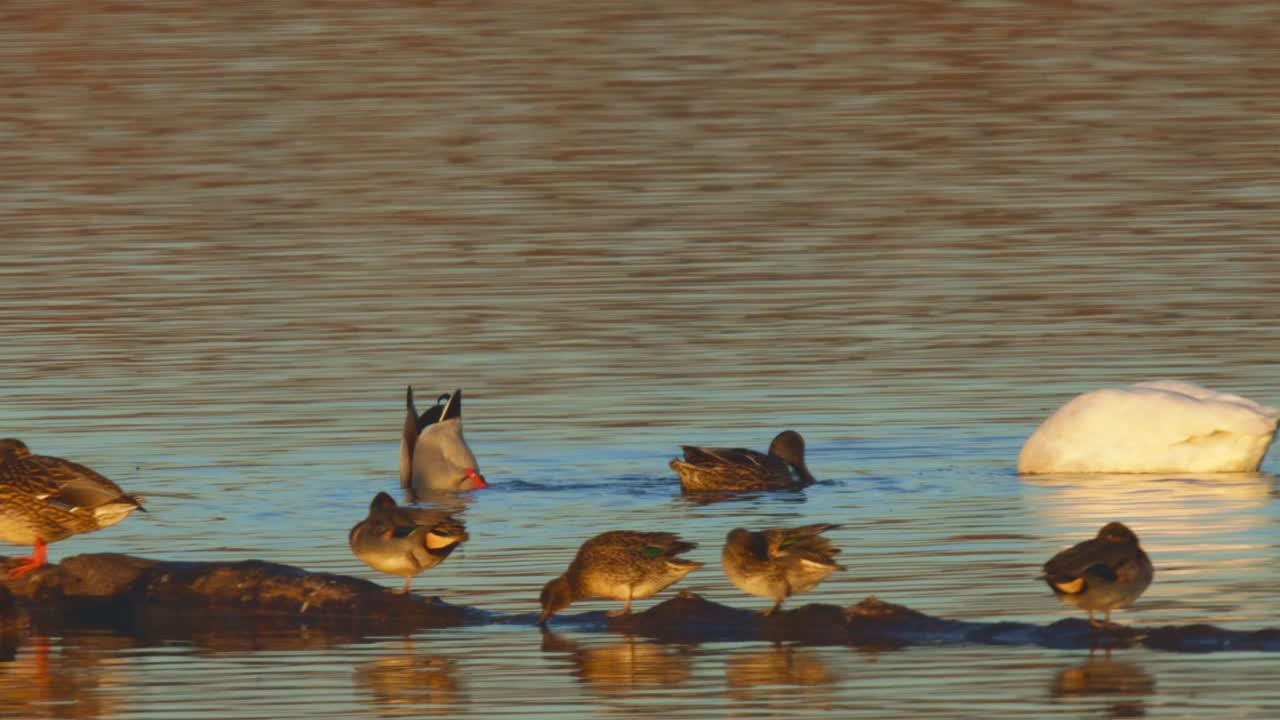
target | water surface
x=908, y=230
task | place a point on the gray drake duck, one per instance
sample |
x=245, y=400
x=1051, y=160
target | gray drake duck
x=737, y=469
x=777, y=563
x=403, y=540
x=434, y=455
x=621, y=565
x=1108, y=572
x=44, y=499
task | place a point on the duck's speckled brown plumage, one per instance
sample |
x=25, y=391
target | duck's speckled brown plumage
x=777, y=563
x=1110, y=571
x=622, y=565
x=44, y=499
x=403, y=540
x=738, y=469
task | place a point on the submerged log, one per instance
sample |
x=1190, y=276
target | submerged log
x=119, y=590
x=874, y=623
x=159, y=599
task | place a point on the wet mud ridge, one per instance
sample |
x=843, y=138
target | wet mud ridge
x=140, y=595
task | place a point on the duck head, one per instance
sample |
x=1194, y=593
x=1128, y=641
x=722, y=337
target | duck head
x=1117, y=532
x=556, y=596
x=12, y=448
x=789, y=447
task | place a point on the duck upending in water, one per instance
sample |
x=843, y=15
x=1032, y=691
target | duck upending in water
x=738, y=469
x=1110, y=571
x=1152, y=427
x=433, y=453
x=44, y=499
x=621, y=565
x=405, y=541
x=779, y=562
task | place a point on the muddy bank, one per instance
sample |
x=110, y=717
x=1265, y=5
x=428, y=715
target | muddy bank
x=154, y=598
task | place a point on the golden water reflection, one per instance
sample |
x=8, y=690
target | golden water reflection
x=1125, y=684
x=410, y=682
x=755, y=676
x=620, y=667
x=77, y=677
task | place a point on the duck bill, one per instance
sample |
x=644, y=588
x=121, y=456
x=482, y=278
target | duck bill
x=477, y=480
x=805, y=475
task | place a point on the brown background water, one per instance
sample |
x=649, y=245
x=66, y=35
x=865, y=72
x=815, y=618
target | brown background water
x=233, y=233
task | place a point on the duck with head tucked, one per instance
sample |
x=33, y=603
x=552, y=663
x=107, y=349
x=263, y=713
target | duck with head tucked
x=777, y=563
x=1164, y=426
x=404, y=540
x=737, y=469
x=621, y=565
x=44, y=499
x=1108, y=572
x=433, y=453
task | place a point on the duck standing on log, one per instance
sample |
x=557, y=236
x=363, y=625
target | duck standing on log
x=44, y=499
x=777, y=563
x=621, y=565
x=404, y=540
x=1108, y=572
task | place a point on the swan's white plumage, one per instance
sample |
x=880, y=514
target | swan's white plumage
x=1152, y=427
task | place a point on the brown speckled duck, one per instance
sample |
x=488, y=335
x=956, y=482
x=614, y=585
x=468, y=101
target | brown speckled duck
x=737, y=469
x=403, y=540
x=779, y=562
x=44, y=499
x=622, y=565
x=1110, y=571
x=433, y=453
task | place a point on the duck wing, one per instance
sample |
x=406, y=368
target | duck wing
x=62, y=482
x=805, y=543
x=742, y=458
x=1098, y=558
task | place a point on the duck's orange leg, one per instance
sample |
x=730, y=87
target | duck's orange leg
x=39, y=558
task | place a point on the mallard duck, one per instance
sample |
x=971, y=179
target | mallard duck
x=44, y=499
x=622, y=565
x=1152, y=427
x=403, y=540
x=779, y=562
x=1110, y=571
x=433, y=453
x=737, y=469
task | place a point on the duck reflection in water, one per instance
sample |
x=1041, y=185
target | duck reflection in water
x=618, y=668
x=756, y=675
x=409, y=684
x=75, y=677
x=1101, y=677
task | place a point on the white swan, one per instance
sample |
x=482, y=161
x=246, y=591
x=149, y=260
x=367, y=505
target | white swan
x=1152, y=427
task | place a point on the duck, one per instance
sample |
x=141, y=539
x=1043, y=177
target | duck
x=1108, y=572
x=621, y=565
x=405, y=541
x=737, y=469
x=44, y=499
x=433, y=453
x=1162, y=426
x=777, y=563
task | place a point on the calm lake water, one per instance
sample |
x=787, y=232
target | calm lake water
x=907, y=230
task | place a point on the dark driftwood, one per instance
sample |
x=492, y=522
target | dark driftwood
x=268, y=603
x=123, y=591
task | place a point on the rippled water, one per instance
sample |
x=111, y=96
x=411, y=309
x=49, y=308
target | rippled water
x=907, y=230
